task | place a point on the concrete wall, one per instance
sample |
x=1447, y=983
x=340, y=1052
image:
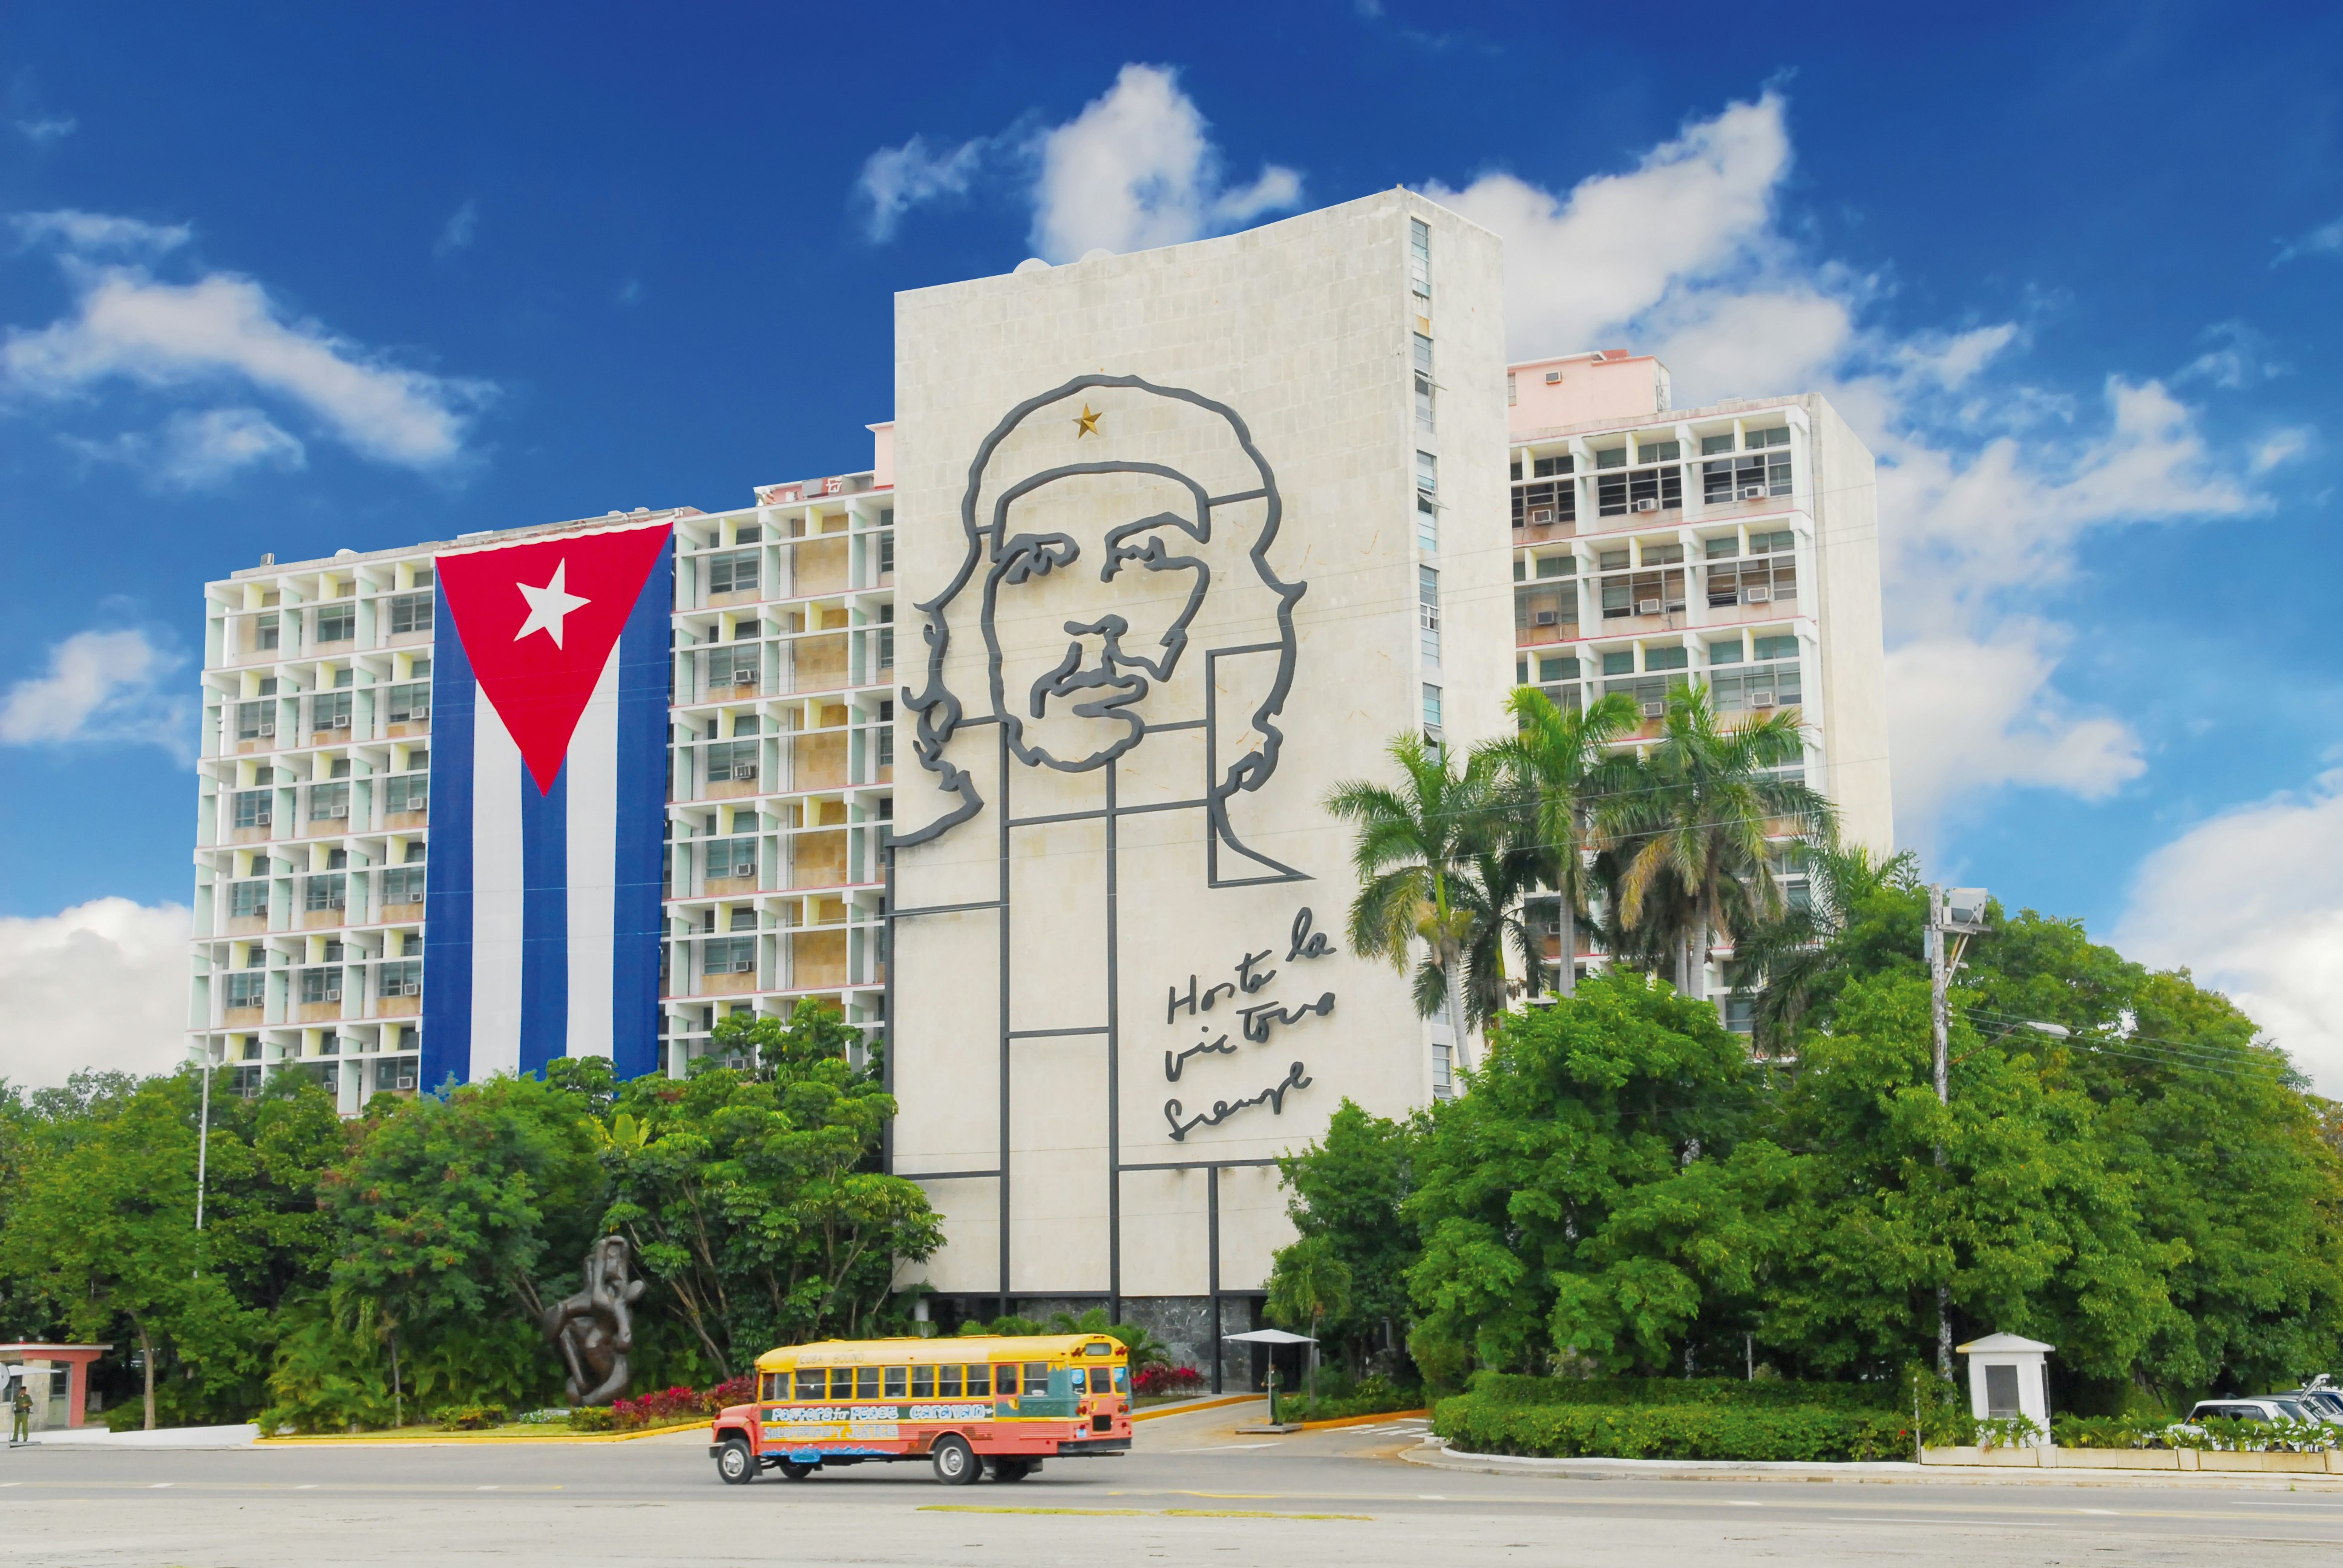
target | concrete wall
x=1846, y=506
x=1303, y=329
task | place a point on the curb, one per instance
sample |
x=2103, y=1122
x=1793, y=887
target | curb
x=1342, y=1421
x=1219, y=1402
x=461, y=1437
x=1857, y=1473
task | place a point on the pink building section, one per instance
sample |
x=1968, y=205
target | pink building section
x=1583, y=388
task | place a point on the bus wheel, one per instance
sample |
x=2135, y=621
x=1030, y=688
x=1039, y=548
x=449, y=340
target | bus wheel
x=796, y=1470
x=955, y=1461
x=1013, y=1469
x=736, y=1465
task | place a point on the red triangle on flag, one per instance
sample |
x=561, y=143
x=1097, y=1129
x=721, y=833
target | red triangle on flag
x=539, y=620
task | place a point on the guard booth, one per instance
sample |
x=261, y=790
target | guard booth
x=2007, y=1377
x=57, y=1376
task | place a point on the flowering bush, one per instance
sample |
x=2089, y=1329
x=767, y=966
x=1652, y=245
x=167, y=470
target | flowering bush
x=670, y=1406
x=1159, y=1379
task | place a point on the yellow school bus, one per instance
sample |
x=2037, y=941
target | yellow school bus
x=968, y=1406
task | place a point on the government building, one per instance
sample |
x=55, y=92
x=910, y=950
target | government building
x=1013, y=745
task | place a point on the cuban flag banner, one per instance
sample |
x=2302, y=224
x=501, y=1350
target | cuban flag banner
x=548, y=786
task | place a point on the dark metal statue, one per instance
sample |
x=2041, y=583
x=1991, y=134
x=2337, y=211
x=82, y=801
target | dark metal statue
x=595, y=1329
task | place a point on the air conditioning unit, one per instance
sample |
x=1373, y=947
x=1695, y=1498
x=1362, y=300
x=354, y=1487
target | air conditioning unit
x=335, y=814
x=261, y=820
x=1655, y=710
x=412, y=988
x=341, y=721
x=745, y=677
x=1647, y=606
x=266, y=730
x=1548, y=617
x=334, y=995
x=1757, y=595
x=1541, y=515
x=419, y=715
x=1647, y=505
x=744, y=772
x=1761, y=699
x=406, y=1081
x=1553, y=377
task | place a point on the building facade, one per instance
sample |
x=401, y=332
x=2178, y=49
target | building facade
x=1734, y=546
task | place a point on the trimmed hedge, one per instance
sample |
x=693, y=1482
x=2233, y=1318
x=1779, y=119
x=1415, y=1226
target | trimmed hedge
x=1511, y=1389
x=1712, y=1429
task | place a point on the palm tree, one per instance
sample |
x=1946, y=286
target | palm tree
x=1554, y=767
x=1308, y=1284
x=1689, y=841
x=1791, y=965
x=1417, y=859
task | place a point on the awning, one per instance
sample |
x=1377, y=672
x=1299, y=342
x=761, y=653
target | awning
x=1270, y=1337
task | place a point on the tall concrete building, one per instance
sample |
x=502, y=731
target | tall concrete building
x=1735, y=545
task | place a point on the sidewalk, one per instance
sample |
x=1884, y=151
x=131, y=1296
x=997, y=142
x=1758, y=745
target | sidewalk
x=162, y=1437
x=1440, y=1456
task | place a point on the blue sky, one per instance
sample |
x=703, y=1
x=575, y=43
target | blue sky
x=292, y=281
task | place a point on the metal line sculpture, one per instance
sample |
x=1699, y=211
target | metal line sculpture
x=595, y=1329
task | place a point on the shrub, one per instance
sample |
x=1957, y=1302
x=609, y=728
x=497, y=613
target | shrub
x=680, y=1404
x=468, y=1417
x=1368, y=1396
x=1162, y=1380
x=1510, y=1389
x=590, y=1417
x=1712, y=1429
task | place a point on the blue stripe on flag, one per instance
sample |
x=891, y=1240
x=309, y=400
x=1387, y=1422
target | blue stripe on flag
x=545, y=921
x=447, y=882
x=636, y=912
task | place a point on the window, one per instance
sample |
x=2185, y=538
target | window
x=1725, y=548
x=980, y=1381
x=1777, y=647
x=248, y=988
x=1547, y=502
x=1557, y=565
x=325, y=890
x=1760, y=581
x=1423, y=355
x=1658, y=451
x=406, y=792
x=247, y=900
x=1427, y=473
x=813, y=1385
x=947, y=1382
x=330, y=710
x=423, y=576
x=1561, y=669
x=731, y=857
x=318, y=986
x=251, y=808
x=408, y=704
x=410, y=612
x=1419, y=264
x=1431, y=707
x=1428, y=610
x=1037, y=1377
x=730, y=956
x=1423, y=400
x=1546, y=615
x=403, y=885
x=887, y=550
x=1779, y=436
x=887, y=740
x=1712, y=445
x=735, y=573
x=866, y=1383
x=1781, y=541
x=1619, y=663
x=404, y=977
x=1617, y=458
x=392, y=1073
x=329, y=802
x=255, y=720
x=1667, y=657
x=266, y=633
x=2001, y=1393
x=1427, y=523
x=1749, y=478
x=1725, y=652
x=896, y=1383
x=1547, y=467
x=1443, y=1083
x=750, y=534
x=1657, y=489
x=733, y=760
x=733, y=669
x=338, y=622
x=1757, y=686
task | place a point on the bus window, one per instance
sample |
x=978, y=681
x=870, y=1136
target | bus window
x=811, y=1384
x=1121, y=1379
x=1037, y=1374
x=897, y=1379
x=1004, y=1380
x=923, y=1383
x=841, y=1384
x=980, y=1381
x=866, y=1383
x=1101, y=1380
x=947, y=1382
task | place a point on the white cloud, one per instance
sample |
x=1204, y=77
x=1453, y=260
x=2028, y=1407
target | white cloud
x=2327, y=239
x=97, y=231
x=462, y=226
x=1685, y=254
x=130, y=325
x=2280, y=446
x=201, y=449
x=2252, y=903
x=99, y=686
x=41, y=129
x=101, y=985
x=896, y=179
x=1135, y=170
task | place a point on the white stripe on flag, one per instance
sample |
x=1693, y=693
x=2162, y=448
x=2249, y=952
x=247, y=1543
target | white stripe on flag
x=593, y=865
x=497, y=881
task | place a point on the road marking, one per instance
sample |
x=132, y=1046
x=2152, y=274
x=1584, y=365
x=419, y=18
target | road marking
x=484, y=1489
x=158, y=1485
x=1221, y=1448
x=306, y=1486
x=1738, y=1502
x=1431, y=1497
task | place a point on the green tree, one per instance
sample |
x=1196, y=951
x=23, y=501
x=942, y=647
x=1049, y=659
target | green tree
x=1556, y=767
x=1690, y=842
x=755, y=1197
x=1417, y=855
x=1790, y=967
x=1309, y=1284
x=1346, y=1192
x=1592, y=1199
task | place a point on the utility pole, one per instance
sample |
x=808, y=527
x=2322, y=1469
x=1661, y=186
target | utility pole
x=1959, y=914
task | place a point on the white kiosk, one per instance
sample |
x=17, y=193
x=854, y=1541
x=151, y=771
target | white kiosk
x=2007, y=1378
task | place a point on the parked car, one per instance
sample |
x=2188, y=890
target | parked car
x=2266, y=1407
x=2321, y=1397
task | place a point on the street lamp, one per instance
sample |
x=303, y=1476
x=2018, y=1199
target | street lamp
x=1959, y=914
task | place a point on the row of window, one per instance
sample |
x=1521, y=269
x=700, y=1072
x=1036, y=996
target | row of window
x=326, y=890
x=338, y=621
x=1544, y=503
x=330, y=802
x=741, y=571
x=248, y=989
x=1772, y=542
x=1010, y=1380
x=409, y=703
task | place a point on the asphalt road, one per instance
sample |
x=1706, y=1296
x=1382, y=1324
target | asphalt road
x=1193, y=1491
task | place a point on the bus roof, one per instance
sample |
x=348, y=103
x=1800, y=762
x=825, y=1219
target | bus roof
x=936, y=1352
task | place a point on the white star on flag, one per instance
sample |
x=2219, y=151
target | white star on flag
x=548, y=606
